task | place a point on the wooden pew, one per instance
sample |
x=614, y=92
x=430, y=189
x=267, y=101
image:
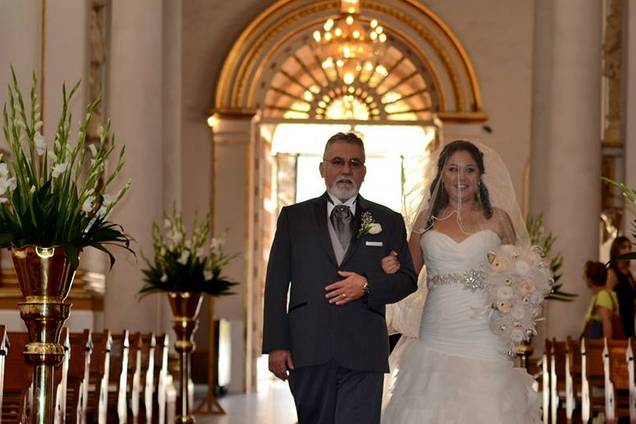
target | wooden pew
x=4, y=351
x=162, y=350
x=78, y=377
x=17, y=384
x=558, y=377
x=61, y=378
x=98, y=381
x=148, y=345
x=134, y=376
x=618, y=376
x=545, y=380
x=118, y=378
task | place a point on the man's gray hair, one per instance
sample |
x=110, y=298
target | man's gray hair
x=349, y=137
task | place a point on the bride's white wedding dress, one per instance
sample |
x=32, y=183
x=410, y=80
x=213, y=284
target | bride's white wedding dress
x=458, y=371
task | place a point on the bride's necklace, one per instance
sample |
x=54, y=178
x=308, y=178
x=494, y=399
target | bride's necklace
x=459, y=218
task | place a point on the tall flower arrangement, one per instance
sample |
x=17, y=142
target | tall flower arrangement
x=185, y=263
x=57, y=192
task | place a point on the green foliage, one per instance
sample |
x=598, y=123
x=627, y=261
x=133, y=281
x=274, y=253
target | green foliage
x=630, y=195
x=55, y=194
x=545, y=241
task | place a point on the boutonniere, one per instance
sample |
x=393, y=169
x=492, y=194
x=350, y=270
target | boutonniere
x=368, y=225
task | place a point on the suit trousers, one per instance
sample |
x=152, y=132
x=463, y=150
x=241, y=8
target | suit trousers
x=330, y=394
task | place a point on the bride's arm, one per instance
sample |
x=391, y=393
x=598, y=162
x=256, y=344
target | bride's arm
x=505, y=229
x=416, y=251
x=391, y=264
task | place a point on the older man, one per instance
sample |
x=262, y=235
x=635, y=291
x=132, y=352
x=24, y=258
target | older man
x=330, y=338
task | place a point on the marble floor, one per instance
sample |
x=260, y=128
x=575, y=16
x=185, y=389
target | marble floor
x=272, y=404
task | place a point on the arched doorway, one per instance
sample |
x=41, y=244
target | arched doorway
x=275, y=79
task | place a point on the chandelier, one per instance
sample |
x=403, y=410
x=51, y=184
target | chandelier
x=347, y=42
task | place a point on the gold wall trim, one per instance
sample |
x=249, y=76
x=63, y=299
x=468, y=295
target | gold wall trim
x=229, y=113
x=272, y=30
x=462, y=116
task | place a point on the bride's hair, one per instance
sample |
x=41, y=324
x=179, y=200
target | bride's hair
x=440, y=201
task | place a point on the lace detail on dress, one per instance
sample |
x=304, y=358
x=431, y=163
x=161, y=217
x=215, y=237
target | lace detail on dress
x=473, y=279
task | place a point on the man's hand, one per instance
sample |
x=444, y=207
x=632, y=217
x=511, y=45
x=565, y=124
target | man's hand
x=279, y=362
x=391, y=264
x=347, y=290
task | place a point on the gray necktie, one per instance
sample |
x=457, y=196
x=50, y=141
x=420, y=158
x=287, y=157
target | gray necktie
x=341, y=221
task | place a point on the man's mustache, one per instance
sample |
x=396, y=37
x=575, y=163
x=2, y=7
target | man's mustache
x=345, y=180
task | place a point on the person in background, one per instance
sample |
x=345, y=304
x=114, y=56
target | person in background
x=604, y=304
x=620, y=279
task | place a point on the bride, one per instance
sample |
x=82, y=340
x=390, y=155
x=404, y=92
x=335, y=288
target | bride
x=455, y=369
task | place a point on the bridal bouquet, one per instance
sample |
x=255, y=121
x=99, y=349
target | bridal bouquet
x=57, y=192
x=517, y=281
x=186, y=264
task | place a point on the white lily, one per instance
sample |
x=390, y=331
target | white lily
x=87, y=206
x=93, y=149
x=59, y=169
x=4, y=170
x=108, y=200
x=40, y=143
x=184, y=257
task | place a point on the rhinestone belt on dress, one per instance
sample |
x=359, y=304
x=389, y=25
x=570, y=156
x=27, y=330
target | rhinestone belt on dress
x=472, y=279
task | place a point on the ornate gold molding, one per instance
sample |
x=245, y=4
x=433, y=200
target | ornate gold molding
x=276, y=27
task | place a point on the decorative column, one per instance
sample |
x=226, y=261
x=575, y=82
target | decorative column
x=135, y=96
x=566, y=146
x=233, y=210
x=629, y=57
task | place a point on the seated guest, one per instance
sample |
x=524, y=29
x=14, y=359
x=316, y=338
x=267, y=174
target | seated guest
x=620, y=279
x=602, y=315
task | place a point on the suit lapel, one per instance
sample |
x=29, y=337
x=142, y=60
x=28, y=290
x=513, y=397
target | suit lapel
x=361, y=207
x=320, y=211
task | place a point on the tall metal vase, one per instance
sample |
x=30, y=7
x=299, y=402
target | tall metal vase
x=185, y=308
x=45, y=277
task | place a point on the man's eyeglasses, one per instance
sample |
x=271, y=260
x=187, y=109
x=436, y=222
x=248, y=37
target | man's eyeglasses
x=340, y=163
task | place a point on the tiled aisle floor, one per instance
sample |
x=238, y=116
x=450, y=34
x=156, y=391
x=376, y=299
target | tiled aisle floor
x=273, y=404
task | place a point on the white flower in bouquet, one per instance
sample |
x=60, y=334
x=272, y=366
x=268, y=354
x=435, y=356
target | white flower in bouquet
x=526, y=288
x=503, y=306
x=516, y=284
x=505, y=293
x=537, y=297
x=510, y=250
x=499, y=264
x=518, y=312
x=521, y=267
x=517, y=335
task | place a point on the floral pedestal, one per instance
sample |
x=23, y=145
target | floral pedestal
x=45, y=277
x=185, y=308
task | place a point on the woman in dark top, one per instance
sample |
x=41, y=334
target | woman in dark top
x=621, y=280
